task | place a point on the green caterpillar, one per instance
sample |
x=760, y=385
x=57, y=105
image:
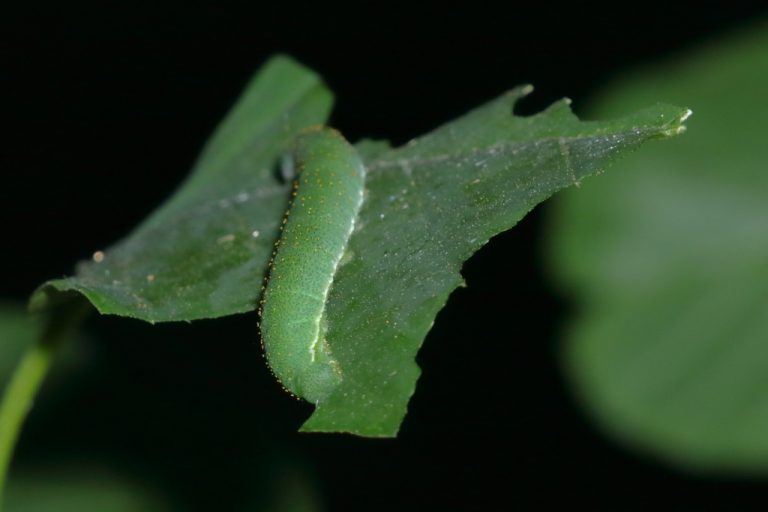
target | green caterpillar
x=327, y=197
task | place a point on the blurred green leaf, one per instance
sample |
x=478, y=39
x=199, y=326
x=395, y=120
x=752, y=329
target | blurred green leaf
x=78, y=490
x=284, y=484
x=429, y=206
x=668, y=259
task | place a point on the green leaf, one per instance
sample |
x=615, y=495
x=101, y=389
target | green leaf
x=203, y=253
x=668, y=257
x=428, y=207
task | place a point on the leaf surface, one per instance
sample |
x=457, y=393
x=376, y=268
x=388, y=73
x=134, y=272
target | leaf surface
x=429, y=206
x=202, y=254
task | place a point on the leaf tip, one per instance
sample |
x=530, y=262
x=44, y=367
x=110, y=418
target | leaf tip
x=677, y=127
x=514, y=95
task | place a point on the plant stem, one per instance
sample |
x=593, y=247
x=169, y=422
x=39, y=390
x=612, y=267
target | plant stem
x=29, y=374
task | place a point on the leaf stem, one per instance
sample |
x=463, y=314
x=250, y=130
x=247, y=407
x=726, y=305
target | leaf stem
x=18, y=397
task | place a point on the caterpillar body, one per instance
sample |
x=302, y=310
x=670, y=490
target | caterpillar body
x=327, y=197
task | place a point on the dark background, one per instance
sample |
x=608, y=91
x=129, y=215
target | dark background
x=104, y=106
